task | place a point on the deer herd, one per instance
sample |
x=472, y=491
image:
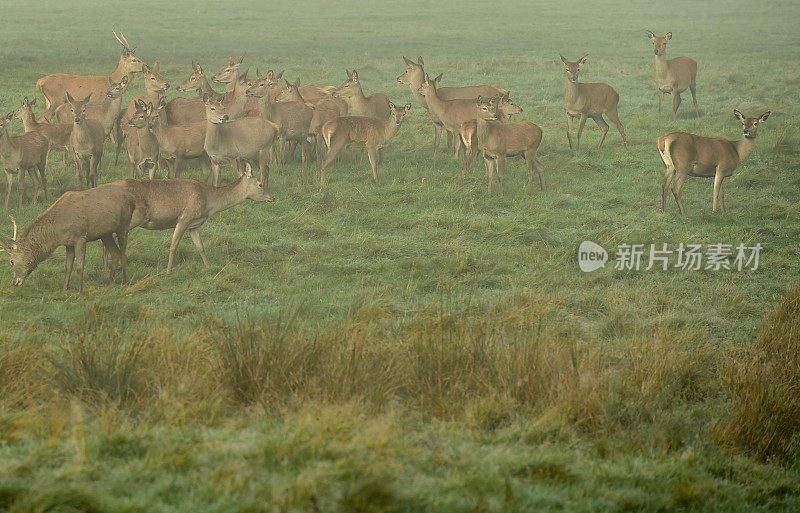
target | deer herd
x=261, y=121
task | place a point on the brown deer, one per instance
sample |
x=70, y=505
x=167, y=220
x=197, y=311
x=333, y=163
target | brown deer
x=589, y=101
x=74, y=219
x=57, y=134
x=155, y=88
x=370, y=132
x=311, y=94
x=145, y=154
x=693, y=155
x=375, y=105
x=20, y=154
x=498, y=140
x=106, y=112
x=238, y=104
x=185, y=204
x=55, y=87
x=86, y=140
x=673, y=76
x=451, y=113
x=292, y=118
x=178, y=143
x=469, y=129
x=244, y=139
x=181, y=111
x=414, y=77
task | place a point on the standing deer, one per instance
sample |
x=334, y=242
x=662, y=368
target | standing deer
x=177, y=143
x=20, y=154
x=414, y=77
x=57, y=134
x=673, y=76
x=86, y=140
x=693, y=155
x=589, y=101
x=244, y=139
x=498, y=140
x=55, y=87
x=185, y=204
x=375, y=105
x=181, y=111
x=469, y=129
x=292, y=118
x=106, y=112
x=238, y=104
x=74, y=219
x=145, y=154
x=155, y=88
x=451, y=113
x=369, y=132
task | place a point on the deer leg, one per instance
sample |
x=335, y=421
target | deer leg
x=603, y=128
x=539, y=171
x=263, y=166
x=205, y=165
x=116, y=261
x=80, y=256
x=69, y=262
x=469, y=158
x=380, y=156
x=198, y=243
x=718, y=176
x=580, y=131
x=489, y=170
x=64, y=160
x=660, y=100
x=669, y=174
x=437, y=134
x=42, y=176
x=176, y=170
x=676, y=189
x=676, y=101
x=693, y=89
x=20, y=185
x=450, y=140
x=9, y=184
x=722, y=196
x=214, y=173
x=456, y=145
x=614, y=117
x=372, y=153
x=180, y=229
x=569, y=130
x=337, y=145
x=122, y=239
x=501, y=167
x=35, y=197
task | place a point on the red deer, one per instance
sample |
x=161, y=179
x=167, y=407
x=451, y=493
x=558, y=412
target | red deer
x=369, y=132
x=468, y=131
x=375, y=105
x=451, y=113
x=589, y=101
x=181, y=111
x=86, y=140
x=144, y=158
x=74, y=219
x=106, y=112
x=693, y=155
x=673, y=76
x=55, y=87
x=238, y=105
x=20, y=154
x=177, y=143
x=57, y=134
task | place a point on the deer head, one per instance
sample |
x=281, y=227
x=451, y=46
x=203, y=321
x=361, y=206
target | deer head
x=429, y=86
x=22, y=262
x=750, y=125
x=194, y=81
x=415, y=72
x=573, y=68
x=215, y=111
x=78, y=108
x=153, y=81
x=115, y=90
x=399, y=113
x=659, y=42
x=229, y=71
x=130, y=63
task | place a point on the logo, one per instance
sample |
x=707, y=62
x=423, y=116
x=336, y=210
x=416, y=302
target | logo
x=591, y=256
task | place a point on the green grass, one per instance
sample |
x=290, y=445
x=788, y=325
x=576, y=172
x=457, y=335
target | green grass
x=357, y=342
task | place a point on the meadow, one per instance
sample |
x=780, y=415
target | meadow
x=415, y=344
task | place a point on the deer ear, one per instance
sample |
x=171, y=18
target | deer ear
x=156, y=67
x=206, y=98
x=240, y=60
x=650, y=34
x=33, y=102
x=288, y=84
x=124, y=80
x=140, y=104
x=582, y=61
x=764, y=115
x=280, y=74
x=479, y=99
x=439, y=78
x=248, y=169
x=668, y=36
x=420, y=61
x=738, y=115
x=355, y=76
x=86, y=100
x=563, y=59
x=162, y=102
x=10, y=115
x=70, y=98
x=407, y=60
x=407, y=107
x=297, y=83
x=243, y=76
x=349, y=75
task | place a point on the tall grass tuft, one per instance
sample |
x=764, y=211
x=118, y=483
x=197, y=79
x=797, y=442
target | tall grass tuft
x=765, y=416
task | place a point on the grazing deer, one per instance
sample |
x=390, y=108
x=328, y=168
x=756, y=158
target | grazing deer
x=468, y=131
x=20, y=154
x=673, y=76
x=451, y=113
x=145, y=154
x=414, y=77
x=292, y=118
x=181, y=111
x=55, y=87
x=57, y=134
x=693, y=155
x=369, y=132
x=107, y=112
x=498, y=140
x=589, y=101
x=238, y=104
x=185, y=204
x=177, y=143
x=375, y=105
x=86, y=140
x=74, y=219
x=244, y=139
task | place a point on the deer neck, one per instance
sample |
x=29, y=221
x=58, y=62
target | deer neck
x=482, y=127
x=204, y=88
x=42, y=238
x=147, y=138
x=231, y=86
x=223, y=198
x=571, y=93
x=390, y=129
x=120, y=72
x=153, y=95
x=7, y=149
x=29, y=121
x=358, y=100
x=662, y=67
x=265, y=106
x=744, y=147
x=435, y=104
x=416, y=83
x=237, y=102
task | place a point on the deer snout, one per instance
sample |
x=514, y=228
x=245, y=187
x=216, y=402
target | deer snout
x=225, y=117
x=18, y=281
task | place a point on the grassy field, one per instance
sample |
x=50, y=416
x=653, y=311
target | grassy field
x=416, y=345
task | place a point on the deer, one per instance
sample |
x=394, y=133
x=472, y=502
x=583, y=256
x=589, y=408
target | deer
x=20, y=154
x=177, y=143
x=673, y=76
x=181, y=111
x=292, y=118
x=86, y=140
x=185, y=204
x=325, y=109
x=155, y=88
x=589, y=101
x=414, y=76
x=244, y=139
x=468, y=131
x=498, y=140
x=375, y=105
x=370, y=132
x=451, y=113
x=687, y=155
x=55, y=87
x=76, y=218
x=57, y=134
x=145, y=154
x=106, y=112
x=239, y=105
